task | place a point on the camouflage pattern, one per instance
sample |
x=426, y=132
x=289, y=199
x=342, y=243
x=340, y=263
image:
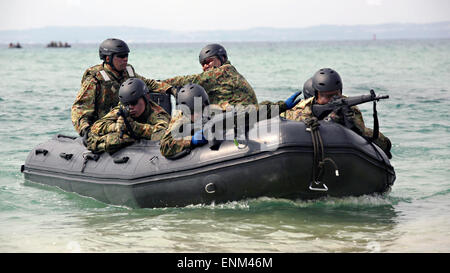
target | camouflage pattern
x=105, y=132
x=98, y=96
x=303, y=110
x=224, y=85
x=170, y=145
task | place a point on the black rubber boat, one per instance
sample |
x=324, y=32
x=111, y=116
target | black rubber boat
x=280, y=165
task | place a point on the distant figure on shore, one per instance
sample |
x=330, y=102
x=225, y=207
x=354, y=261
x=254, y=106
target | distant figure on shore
x=11, y=45
x=58, y=44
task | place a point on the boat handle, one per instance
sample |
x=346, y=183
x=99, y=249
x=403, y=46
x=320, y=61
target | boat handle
x=66, y=156
x=64, y=136
x=121, y=160
x=325, y=188
x=210, y=188
x=88, y=156
x=41, y=151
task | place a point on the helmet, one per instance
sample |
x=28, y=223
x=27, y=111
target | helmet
x=112, y=46
x=325, y=80
x=213, y=50
x=187, y=93
x=308, y=90
x=131, y=90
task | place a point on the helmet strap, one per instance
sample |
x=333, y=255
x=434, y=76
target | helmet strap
x=111, y=62
x=222, y=60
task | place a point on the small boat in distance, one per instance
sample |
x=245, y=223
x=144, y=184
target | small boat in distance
x=17, y=45
x=58, y=44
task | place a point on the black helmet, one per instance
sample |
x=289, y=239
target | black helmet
x=187, y=94
x=326, y=80
x=131, y=90
x=308, y=90
x=112, y=46
x=213, y=50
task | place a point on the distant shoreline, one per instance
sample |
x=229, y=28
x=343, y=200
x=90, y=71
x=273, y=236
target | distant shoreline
x=43, y=45
x=86, y=35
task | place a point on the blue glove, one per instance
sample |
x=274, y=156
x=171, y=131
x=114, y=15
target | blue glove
x=291, y=102
x=198, y=139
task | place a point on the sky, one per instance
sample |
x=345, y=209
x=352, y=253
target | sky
x=195, y=15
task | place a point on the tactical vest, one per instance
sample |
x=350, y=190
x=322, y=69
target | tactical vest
x=107, y=91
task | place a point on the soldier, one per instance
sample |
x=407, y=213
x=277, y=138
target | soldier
x=145, y=120
x=177, y=142
x=222, y=82
x=308, y=90
x=326, y=84
x=101, y=83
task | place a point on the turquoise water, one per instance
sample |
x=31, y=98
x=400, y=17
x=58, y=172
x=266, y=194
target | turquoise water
x=39, y=86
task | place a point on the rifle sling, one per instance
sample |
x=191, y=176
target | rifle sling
x=376, y=125
x=319, y=158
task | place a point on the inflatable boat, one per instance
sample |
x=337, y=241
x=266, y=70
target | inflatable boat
x=279, y=164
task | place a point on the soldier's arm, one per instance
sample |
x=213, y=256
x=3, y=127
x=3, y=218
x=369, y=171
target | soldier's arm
x=242, y=90
x=84, y=106
x=358, y=119
x=180, y=81
x=155, y=128
x=273, y=106
x=107, y=124
x=155, y=86
x=171, y=145
x=265, y=109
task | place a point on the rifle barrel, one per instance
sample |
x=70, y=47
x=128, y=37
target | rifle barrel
x=382, y=97
x=321, y=111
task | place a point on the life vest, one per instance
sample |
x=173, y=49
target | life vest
x=107, y=95
x=98, y=69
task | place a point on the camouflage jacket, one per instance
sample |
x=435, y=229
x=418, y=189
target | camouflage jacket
x=303, y=110
x=99, y=93
x=171, y=145
x=223, y=84
x=105, y=136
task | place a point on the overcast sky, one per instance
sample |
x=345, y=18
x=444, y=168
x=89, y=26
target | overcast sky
x=194, y=15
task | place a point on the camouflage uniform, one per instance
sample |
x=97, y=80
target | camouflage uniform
x=224, y=85
x=170, y=145
x=105, y=132
x=303, y=110
x=99, y=93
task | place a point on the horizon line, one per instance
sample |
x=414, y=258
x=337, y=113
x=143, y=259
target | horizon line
x=241, y=29
x=268, y=41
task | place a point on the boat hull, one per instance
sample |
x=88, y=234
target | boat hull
x=280, y=167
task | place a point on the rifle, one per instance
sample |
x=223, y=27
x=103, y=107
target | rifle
x=124, y=113
x=342, y=106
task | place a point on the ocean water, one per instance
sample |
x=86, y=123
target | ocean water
x=39, y=86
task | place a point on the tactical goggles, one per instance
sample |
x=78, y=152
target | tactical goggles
x=208, y=60
x=132, y=103
x=121, y=56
